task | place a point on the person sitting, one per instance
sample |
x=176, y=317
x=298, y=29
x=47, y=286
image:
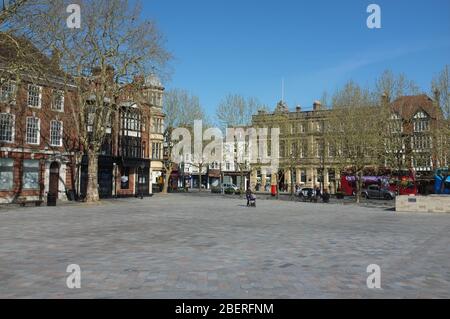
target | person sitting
x=251, y=199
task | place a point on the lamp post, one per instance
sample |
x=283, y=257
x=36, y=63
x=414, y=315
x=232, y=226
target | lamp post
x=140, y=177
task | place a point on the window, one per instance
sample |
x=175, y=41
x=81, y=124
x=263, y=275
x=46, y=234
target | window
x=56, y=133
x=125, y=178
x=156, y=150
x=58, y=101
x=421, y=142
x=33, y=129
x=303, y=176
x=130, y=122
x=319, y=126
x=304, y=150
x=331, y=150
x=157, y=125
x=34, y=95
x=7, y=91
x=301, y=128
x=6, y=173
x=6, y=127
x=421, y=125
x=30, y=177
x=319, y=148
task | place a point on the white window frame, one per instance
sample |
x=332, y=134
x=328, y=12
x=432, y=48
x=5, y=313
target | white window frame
x=61, y=133
x=12, y=128
x=38, y=131
x=14, y=91
x=54, y=94
x=40, y=96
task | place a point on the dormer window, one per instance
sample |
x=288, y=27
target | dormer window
x=421, y=115
x=395, y=124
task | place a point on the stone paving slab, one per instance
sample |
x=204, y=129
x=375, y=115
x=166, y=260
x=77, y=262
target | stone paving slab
x=187, y=246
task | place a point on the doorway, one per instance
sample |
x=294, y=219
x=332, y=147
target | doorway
x=53, y=187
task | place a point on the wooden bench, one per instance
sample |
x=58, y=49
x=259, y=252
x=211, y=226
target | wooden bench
x=23, y=203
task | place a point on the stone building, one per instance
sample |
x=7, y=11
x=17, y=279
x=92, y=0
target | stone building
x=302, y=149
x=305, y=154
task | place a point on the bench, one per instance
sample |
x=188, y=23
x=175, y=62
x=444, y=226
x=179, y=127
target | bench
x=23, y=203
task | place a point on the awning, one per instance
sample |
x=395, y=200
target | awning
x=214, y=173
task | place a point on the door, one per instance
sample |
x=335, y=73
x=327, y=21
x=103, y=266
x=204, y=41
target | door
x=105, y=182
x=374, y=191
x=142, y=181
x=54, y=179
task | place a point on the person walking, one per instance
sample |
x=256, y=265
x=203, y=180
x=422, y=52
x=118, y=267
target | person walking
x=325, y=196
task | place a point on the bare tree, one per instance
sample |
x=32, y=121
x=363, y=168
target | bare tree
x=394, y=86
x=353, y=130
x=441, y=92
x=181, y=109
x=236, y=111
x=113, y=46
x=10, y=8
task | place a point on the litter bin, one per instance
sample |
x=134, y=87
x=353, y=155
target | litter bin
x=70, y=195
x=51, y=200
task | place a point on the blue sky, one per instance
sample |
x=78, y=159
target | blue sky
x=248, y=46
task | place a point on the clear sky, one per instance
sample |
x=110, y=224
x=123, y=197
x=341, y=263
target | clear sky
x=248, y=46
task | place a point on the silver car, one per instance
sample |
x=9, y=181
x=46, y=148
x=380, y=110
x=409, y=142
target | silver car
x=375, y=191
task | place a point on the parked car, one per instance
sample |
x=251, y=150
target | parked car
x=303, y=192
x=375, y=191
x=227, y=186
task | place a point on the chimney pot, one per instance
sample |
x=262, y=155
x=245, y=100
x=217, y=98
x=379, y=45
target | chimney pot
x=317, y=105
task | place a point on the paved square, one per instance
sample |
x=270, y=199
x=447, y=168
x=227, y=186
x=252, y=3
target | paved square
x=207, y=246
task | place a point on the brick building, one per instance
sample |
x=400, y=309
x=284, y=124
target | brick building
x=36, y=136
x=130, y=159
x=39, y=149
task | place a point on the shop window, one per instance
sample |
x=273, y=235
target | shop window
x=125, y=178
x=30, y=177
x=6, y=174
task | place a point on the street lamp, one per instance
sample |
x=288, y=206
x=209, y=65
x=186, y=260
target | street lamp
x=140, y=180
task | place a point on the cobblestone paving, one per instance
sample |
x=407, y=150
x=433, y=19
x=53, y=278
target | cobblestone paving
x=188, y=246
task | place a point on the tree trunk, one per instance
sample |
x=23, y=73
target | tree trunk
x=92, y=182
x=292, y=184
x=73, y=165
x=200, y=178
x=166, y=180
x=358, y=187
x=241, y=184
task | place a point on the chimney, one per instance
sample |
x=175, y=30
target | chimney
x=261, y=112
x=139, y=79
x=437, y=96
x=385, y=98
x=55, y=58
x=298, y=108
x=317, y=106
